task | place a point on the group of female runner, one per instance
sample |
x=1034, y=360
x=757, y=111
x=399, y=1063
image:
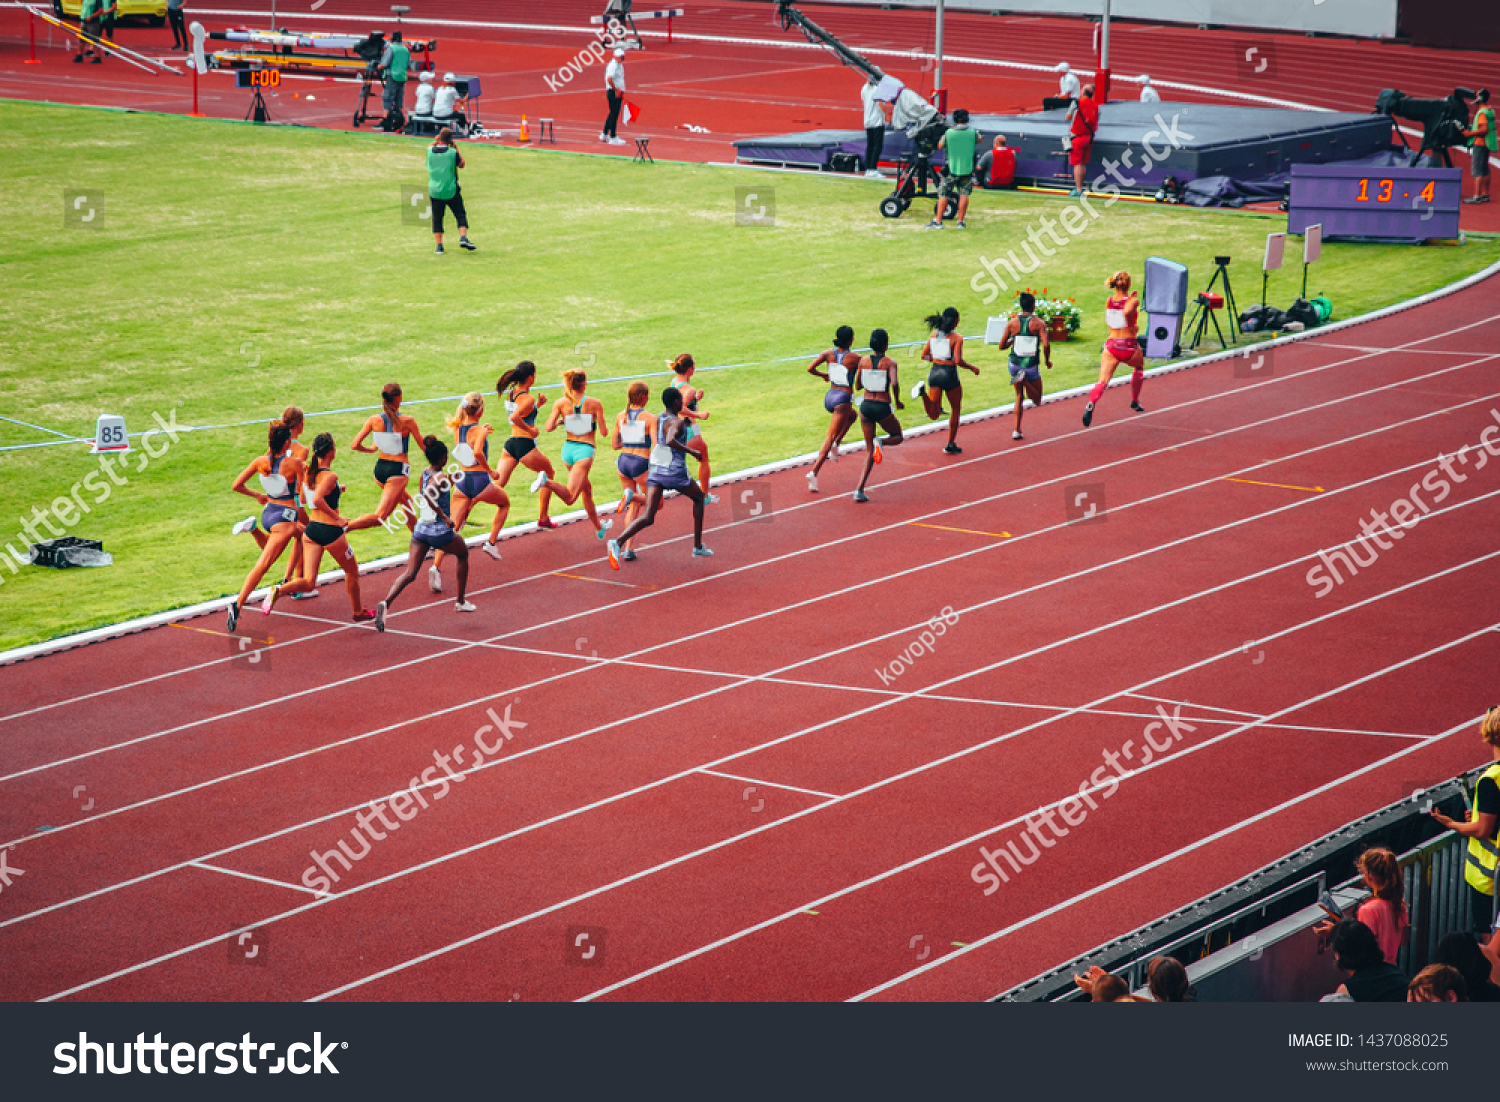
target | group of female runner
x=300, y=493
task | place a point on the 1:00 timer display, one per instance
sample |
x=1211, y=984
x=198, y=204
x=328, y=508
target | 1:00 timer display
x=1385, y=191
x=269, y=78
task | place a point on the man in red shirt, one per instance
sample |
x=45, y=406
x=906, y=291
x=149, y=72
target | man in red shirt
x=997, y=168
x=1085, y=116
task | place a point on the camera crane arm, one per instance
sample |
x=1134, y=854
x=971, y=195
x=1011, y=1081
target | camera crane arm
x=789, y=17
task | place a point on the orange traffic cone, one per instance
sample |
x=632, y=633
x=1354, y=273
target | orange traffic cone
x=525, y=135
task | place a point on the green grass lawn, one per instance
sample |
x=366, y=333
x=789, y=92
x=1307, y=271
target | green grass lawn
x=237, y=269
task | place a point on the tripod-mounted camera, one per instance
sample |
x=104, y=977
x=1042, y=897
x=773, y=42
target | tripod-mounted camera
x=1209, y=303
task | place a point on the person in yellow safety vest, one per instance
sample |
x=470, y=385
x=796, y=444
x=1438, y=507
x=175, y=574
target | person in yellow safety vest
x=1483, y=831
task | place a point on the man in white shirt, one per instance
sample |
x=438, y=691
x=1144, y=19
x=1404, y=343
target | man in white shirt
x=1068, y=86
x=445, y=104
x=874, y=129
x=423, y=108
x=614, y=94
x=1148, y=93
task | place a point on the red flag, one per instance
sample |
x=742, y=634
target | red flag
x=632, y=112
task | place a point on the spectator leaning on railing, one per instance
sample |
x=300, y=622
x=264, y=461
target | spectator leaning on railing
x=1437, y=983
x=1385, y=911
x=1459, y=950
x=1483, y=831
x=1371, y=979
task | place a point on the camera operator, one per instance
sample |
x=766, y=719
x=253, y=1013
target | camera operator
x=395, y=62
x=1481, y=144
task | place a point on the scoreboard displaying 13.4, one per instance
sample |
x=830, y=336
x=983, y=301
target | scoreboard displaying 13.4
x=1378, y=201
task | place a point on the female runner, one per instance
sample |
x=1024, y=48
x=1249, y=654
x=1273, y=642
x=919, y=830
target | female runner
x=437, y=528
x=1120, y=314
x=392, y=431
x=581, y=417
x=945, y=348
x=325, y=532
x=634, y=436
x=682, y=369
x=878, y=379
x=279, y=472
x=839, y=399
x=476, y=481
x=522, y=406
x=668, y=472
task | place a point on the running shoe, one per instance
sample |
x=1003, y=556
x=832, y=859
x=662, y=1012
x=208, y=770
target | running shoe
x=701, y=552
x=465, y=243
x=234, y=615
x=465, y=606
x=489, y=549
x=546, y=522
x=625, y=499
x=1017, y=435
x=434, y=579
x=879, y=455
x=612, y=552
x=628, y=555
x=1088, y=415
x=861, y=496
x=933, y=225
x=265, y=606
x=603, y=528
x=246, y=525
x=1137, y=407
x=439, y=250
x=380, y=617
x=309, y=595
x=538, y=482
x=363, y=617
x=710, y=499
x=960, y=226
x=916, y=391
x=952, y=449
x=812, y=482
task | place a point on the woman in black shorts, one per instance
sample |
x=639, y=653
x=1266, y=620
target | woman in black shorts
x=279, y=471
x=838, y=400
x=392, y=431
x=325, y=532
x=879, y=381
x=436, y=530
x=668, y=472
x=945, y=349
x=521, y=405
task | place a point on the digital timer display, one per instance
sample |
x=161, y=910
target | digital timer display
x=257, y=78
x=1411, y=204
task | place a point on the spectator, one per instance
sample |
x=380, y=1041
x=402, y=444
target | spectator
x=1385, y=911
x=1085, y=116
x=874, y=128
x=997, y=168
x=1482, y=143
x=423, y=107
x=109, y=11
x=88, y=26
x=1459, y=950
x=443, y=163
x=1437, y=983
x=1067, y=84
x=1371, y=979
x=1104, y=988
x=1148, y=93
x=960, y=142
x=179, y=28
x=614, y=97
x=445, y=104
x=1167, y=980
x=395, y=61
x=1483, y=831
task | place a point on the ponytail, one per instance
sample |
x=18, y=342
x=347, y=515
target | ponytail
x=470, y=404
x=1384, y=872
x=1120, y=281
x=574, y=379
x=682, y=364
x=945, y=322
x=436, y=452
x=390, y=393
x=518, y=374
x=321, y=447
x=292, y=417
x=638, y=394
x=278, y=436
x=844, y=337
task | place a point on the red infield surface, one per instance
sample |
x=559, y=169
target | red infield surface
x=708, y=779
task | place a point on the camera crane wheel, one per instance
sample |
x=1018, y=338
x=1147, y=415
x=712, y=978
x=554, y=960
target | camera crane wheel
x=892, y=206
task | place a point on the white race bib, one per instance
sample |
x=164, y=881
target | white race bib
x=1115, y=319
x=274, y=485
x=464, y=454
x=661, y=457
x=838, y=375
x=579, y=424
x=873, y=379
x=941, y=348
x=388, y=442
x=633, y=434
x=510, y=407
x=1025, y=345
x=426, y=514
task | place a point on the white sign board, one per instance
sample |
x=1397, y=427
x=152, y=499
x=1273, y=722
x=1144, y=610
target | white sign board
x=1312, y=243
x=1275, y=248
x=110, y=434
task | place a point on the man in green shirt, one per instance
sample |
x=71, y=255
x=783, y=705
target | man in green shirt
x=443, y=163
x=88, y=25
x=960, y=143
x=1481, y=145
x=396, y=60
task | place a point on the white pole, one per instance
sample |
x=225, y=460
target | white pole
x=1104, y=39
x=938, y=81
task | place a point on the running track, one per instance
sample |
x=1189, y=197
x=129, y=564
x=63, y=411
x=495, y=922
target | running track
x=655, y=699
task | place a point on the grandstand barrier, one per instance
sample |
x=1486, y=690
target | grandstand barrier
x=1254, y=940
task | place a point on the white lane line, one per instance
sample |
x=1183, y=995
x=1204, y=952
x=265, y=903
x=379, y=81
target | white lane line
x=250, y=876
x=1169, y=858
x=769, y=784
x=1205, y=707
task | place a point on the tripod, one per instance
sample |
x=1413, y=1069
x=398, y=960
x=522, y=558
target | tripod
x=1205, y=312
x=258, y=108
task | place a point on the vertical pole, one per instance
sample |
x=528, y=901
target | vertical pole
x=669, y=30
x=1101, y=78
x=195, y=88
x=937, y=85
x=31, y=26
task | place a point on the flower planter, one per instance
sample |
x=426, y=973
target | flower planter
x=1057, y=329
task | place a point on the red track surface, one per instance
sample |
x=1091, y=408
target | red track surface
x=656, y=698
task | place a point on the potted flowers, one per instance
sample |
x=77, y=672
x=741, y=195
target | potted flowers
x=1062, y=315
